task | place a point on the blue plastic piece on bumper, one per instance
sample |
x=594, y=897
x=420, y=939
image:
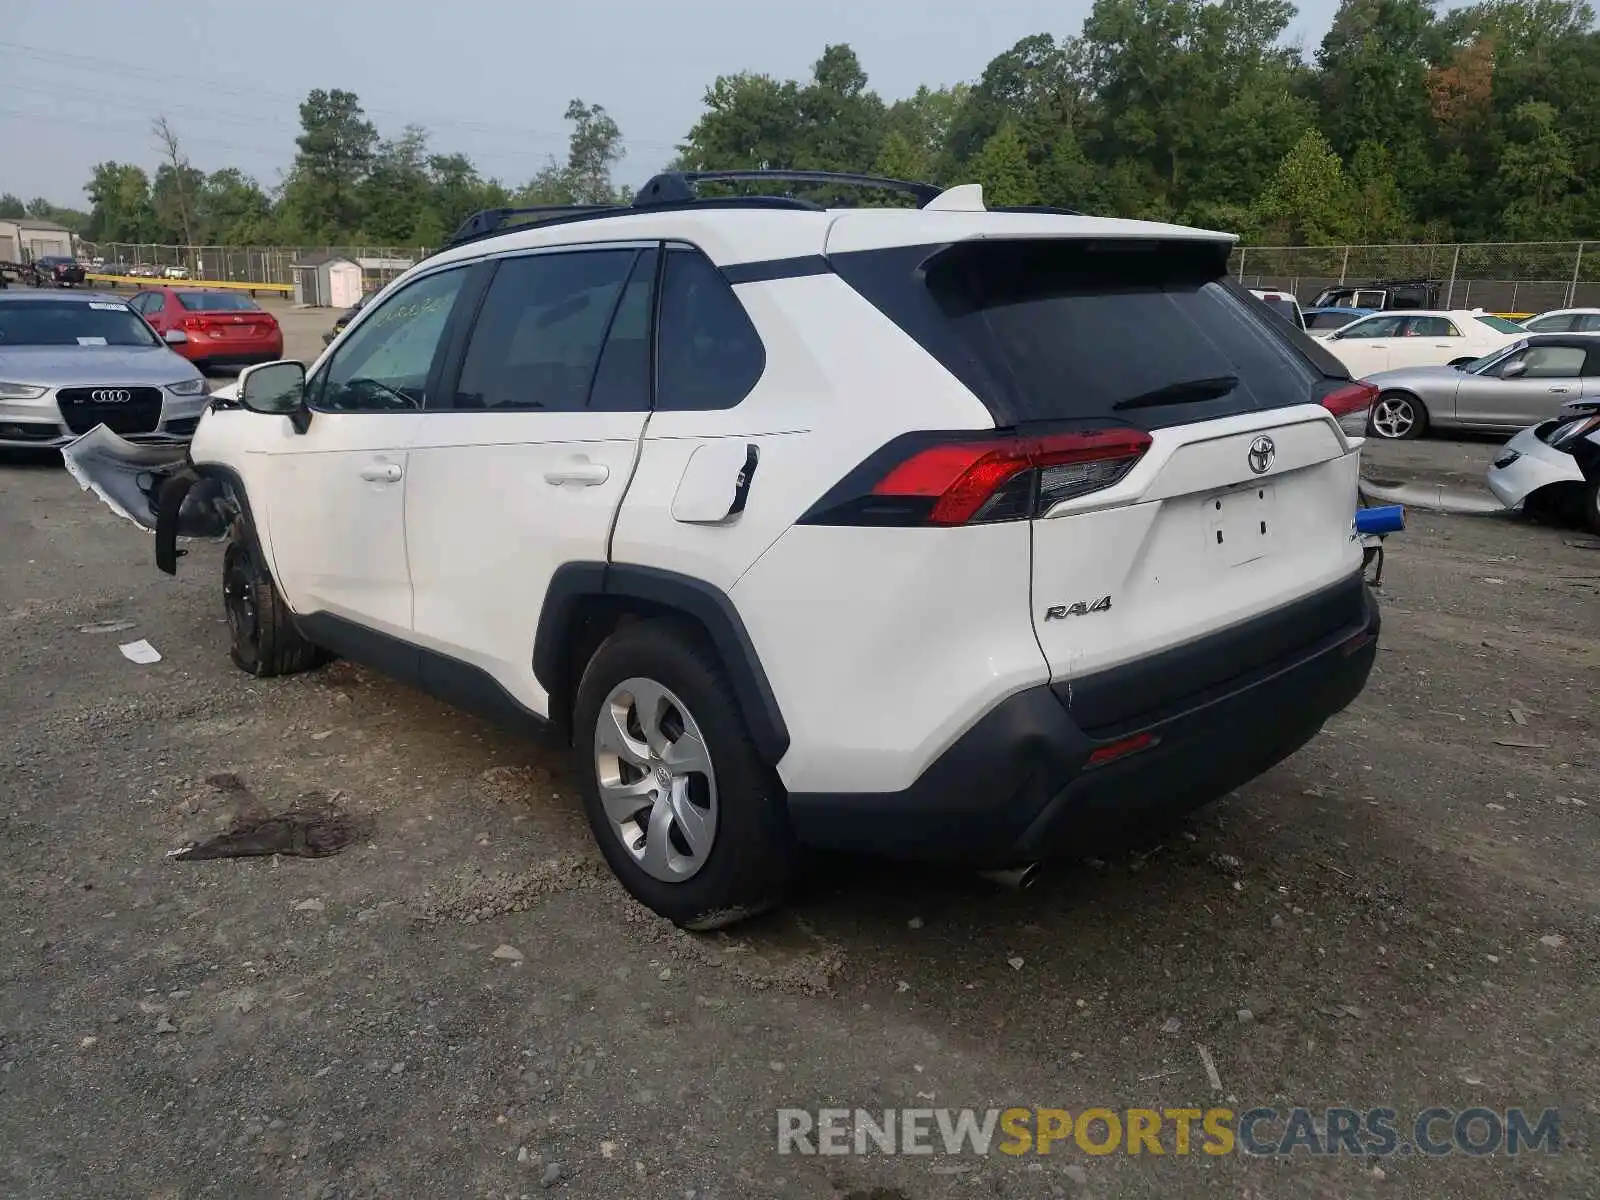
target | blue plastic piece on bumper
x=1387, y=518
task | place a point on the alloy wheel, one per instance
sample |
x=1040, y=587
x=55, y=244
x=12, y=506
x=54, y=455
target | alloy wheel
x=1394, y=417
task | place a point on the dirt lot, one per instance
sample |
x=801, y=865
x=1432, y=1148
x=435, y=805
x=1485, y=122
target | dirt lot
x=1407, y=911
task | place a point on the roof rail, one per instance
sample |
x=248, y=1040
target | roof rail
x=678, y=187
x=492, y=220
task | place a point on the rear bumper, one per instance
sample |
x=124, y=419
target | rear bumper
x=1019, y=786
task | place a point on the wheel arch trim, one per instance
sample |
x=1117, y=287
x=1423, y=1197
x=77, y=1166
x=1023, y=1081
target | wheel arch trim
x=575, y=586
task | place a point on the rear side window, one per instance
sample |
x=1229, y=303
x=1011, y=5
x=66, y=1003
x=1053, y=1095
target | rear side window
x=1562, y=324
x=1431, y=327
x=1501, y=325
x=708, y=353
x=1148, y=333
x=538, y=336
x=216, y=302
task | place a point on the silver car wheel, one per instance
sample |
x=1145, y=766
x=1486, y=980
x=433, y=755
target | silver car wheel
x=1394, y=417
x=656, y=781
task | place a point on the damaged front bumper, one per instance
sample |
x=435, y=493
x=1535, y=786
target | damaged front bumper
x=1526, y=465
x=158, y=488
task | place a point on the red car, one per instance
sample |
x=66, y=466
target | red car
x=224, y=329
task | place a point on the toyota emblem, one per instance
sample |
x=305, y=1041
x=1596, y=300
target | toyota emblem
x=1262, y=452
x=111, y=395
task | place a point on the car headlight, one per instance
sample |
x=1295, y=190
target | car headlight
x=188, y=387
x=21, y=391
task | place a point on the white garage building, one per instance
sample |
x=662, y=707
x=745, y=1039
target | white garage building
x=22, y=239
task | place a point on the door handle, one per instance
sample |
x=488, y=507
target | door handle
x=578, y=470
x=1561, y=390
x=381, y=472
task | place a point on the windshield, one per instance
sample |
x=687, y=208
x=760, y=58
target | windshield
x=1479, y=365
x=216, y=302
x=72, y=323
x=1501, y=325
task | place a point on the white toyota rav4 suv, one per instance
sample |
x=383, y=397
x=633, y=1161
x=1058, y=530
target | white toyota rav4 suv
x=938, y=531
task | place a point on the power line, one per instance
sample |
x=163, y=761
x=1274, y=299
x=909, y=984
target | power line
x=214, y=84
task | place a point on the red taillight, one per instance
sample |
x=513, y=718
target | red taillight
x=1112, y=751
x=982, y=480
x=1351, y=405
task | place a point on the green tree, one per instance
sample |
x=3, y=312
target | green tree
x=396, y=189
x=12, y=206
x=1536, y=175
x=120, y=210
x=234, y=211
x=751, y=122
x=593, y=149
x=1378, y=210
x=1309, y=199
x=1003, y=170
x=322, y=198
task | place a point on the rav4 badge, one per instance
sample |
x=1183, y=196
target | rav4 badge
x=1082, y=608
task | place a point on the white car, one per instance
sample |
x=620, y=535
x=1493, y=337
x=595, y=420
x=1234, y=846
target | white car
x=174, y=272
x=871, y=529
x=1284, y=304
x=1411, y=338
x=1565, y=320
x=1554, y=464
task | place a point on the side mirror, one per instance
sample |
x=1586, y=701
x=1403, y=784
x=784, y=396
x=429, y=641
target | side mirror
x=1515, y=369
x=276, y=389
x=174, y=337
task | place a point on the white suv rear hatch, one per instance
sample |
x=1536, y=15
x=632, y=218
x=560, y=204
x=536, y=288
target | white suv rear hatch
x=1226, y=489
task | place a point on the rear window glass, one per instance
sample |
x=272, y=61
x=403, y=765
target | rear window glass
x=216, y=302
x=1150, y=333
x=1328, y=320
x=1502, y=325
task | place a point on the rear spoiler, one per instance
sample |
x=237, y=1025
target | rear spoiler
x=1579, y=407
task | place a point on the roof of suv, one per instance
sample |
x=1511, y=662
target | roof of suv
x=735, y=230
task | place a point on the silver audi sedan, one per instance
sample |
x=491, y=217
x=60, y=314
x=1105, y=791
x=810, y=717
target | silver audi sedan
x=72, y=361
x=1514, y=387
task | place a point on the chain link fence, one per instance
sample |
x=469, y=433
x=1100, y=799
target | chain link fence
x=1501, y=277
x=1512, y=277
x=238, y=264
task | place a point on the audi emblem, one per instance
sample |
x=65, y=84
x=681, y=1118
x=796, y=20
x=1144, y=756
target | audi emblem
x=111, y=395
x=1262, y=452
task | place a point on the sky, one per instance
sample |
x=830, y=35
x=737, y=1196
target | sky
x=84, y=79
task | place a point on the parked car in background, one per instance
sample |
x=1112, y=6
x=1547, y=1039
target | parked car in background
x=142, y=271
x=345, y=318
x=69, y=363
x=1565, y=320
x=1511, y=388
x=1282, y=303
x=1382, y=295
x=1554, y=466
x=174, y=272
x=224, y=329
x=1320, y=322
x=59, y=270
x=113, y=268
x=1384, y=341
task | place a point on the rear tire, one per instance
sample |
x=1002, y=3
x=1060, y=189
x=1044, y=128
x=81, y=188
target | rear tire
x=1398, y=416
x=264, y=640
x=687, y=815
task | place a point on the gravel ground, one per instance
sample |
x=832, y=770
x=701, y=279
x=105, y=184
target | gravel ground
x=464, y=1004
